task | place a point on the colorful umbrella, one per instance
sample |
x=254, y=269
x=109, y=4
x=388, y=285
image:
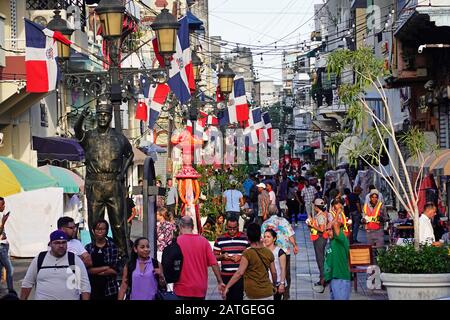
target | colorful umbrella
x=17, y=176
x=68, y=180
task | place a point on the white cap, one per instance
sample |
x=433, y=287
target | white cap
x=261, y=185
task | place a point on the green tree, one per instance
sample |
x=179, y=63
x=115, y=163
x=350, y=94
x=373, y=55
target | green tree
x=275, y=113
x=368, y=73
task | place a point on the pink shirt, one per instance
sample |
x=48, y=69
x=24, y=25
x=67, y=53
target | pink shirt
x=197, y=257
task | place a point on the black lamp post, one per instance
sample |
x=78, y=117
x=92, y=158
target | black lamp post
x=60, y=25
x=196, y=65
x=195, y=103
x=166, y=27
x=226, y=79
x=111, y=14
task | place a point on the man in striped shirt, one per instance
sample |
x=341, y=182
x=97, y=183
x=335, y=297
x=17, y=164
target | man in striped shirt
x=228, y=249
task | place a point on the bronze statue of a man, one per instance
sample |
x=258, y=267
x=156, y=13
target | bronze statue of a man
x=108, y=154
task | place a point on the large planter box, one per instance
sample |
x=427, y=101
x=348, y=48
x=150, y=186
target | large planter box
x=401, y=286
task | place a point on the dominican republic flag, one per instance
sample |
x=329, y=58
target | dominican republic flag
x=157, y=97
x=181, y=75
x=267, y=126
x=203, y=121
x=237, y=110
x=255, y=123
x=41, y=51
x=237, y=102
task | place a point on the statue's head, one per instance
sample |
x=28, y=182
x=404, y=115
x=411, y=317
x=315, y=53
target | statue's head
x=104, y=115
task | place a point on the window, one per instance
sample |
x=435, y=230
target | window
x=44, y=115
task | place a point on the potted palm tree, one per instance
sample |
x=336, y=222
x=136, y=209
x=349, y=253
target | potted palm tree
x=411, y=274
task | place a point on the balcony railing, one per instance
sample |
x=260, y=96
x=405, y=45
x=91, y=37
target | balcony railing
x=59, y=4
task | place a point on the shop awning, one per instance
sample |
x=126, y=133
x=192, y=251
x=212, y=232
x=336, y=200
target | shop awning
x=194, y=22
x=441, y=165
x=307, y=150
x=315, y=144
x=57, y=148
x=437, y=162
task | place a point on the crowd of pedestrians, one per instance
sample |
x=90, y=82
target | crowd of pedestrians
x=249, y=262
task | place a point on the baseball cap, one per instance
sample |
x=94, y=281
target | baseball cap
x=261, y=185
x=58, y=235
x=319, y=202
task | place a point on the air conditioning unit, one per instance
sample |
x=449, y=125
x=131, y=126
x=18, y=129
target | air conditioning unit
x=43, y=17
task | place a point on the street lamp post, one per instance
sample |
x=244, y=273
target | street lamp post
x=226, y=83
x=111, y=18
x=60, y=25
x=226, y=79
x=113, y=82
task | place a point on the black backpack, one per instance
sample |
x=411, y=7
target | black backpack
x=253, y=194
x=41, y=257
x=172, y=262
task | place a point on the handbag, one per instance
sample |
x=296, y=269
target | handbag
x=166, y=295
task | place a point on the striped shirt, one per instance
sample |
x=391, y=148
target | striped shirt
x=232, y=246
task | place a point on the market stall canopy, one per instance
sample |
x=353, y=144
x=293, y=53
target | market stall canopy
x=68, y=180
x=435, y=161
x=139, y=156
x=17, y=176
x=57, y=148
x=441, y=165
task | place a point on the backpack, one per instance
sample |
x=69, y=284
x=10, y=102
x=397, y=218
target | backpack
x=41, y=257
x=253, y=194
x=172, y=262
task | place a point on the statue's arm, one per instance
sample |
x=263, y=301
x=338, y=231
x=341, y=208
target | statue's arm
x=129, y=155
x=78, y=128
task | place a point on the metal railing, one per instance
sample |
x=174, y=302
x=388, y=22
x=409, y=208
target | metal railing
x=59, y=4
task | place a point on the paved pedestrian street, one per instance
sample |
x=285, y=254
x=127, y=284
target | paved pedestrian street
x=304, y=272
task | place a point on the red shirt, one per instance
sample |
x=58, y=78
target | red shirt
x=197, y=257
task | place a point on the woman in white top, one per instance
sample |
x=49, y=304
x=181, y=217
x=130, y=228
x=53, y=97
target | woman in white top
x=270, y=236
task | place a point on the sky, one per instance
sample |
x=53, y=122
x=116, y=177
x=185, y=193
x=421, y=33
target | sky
x=263, y=22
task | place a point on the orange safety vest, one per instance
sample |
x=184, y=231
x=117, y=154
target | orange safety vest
x=314, y=233
x=372, y=216
x=344, y=220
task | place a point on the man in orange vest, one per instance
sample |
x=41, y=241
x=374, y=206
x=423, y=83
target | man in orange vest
x=374, y=215
x=338, y=210
x=317, y=227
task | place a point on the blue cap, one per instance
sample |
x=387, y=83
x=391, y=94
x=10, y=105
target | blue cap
x=58, y=235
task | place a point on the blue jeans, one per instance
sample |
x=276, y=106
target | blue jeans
x=5, y=262
x=340, y=289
